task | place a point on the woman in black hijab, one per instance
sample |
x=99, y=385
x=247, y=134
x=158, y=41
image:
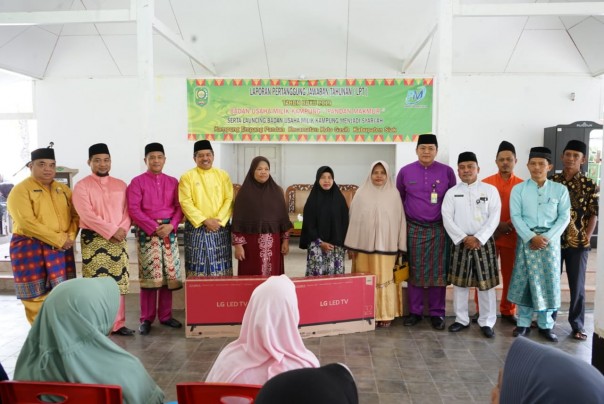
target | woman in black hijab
x=324, y=226
x=329, y=384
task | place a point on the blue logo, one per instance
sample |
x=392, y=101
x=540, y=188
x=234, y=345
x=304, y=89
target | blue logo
x=415, y=96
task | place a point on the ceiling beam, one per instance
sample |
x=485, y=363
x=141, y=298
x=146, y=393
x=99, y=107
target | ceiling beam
x=66, y=17
x=415, y=54
x=163, y=30
x=10, y=69
x=528, y=9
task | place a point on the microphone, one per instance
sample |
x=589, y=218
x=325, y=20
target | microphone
x=50, y=146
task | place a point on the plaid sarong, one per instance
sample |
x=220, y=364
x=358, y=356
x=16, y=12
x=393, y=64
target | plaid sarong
x=207, y=253
x=470, y=268
x=158, y=260
x=429, y=249
x=38, y=267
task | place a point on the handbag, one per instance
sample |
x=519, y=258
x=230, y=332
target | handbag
x=401, y=269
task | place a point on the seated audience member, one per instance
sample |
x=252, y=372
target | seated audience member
x=69, y=342
x=535, y=373
x=3, y=375
x=269, y=342
x=329, y=384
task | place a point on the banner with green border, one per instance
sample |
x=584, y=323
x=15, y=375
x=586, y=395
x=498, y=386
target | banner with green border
x=330, y=110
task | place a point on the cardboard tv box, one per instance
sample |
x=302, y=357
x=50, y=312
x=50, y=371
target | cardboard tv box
x=329, y=305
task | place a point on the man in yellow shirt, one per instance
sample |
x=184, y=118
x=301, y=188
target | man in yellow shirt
x=45, y=228
x=205, y=194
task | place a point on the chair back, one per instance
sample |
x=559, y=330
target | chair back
x=25, y=392
x=214, y=393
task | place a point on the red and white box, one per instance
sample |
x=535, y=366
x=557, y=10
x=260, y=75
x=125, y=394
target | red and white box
x=329, y=305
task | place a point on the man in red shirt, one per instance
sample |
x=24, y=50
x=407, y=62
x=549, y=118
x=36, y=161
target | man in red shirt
x=505, y=235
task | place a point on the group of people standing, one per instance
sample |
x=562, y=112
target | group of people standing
x=457, y=233
x=452, y=233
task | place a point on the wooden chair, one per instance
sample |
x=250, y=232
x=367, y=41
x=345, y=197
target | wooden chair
x=26, y=392
x=214, y=393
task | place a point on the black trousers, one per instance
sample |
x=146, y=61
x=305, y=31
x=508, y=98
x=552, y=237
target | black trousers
x=574, y=260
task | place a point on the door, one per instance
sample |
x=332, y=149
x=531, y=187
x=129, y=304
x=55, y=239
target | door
x=247, y=152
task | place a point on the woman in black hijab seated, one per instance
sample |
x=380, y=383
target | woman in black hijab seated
x=329, y=384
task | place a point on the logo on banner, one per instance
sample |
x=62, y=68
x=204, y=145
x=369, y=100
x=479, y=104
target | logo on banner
x=201, y=96
x=415, y=96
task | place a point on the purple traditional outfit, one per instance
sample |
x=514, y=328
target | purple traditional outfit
x=422, y=190
x=152, y=201
x=260, y=224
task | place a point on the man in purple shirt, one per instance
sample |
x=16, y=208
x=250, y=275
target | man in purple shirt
x=422, y=186
x=154, y=209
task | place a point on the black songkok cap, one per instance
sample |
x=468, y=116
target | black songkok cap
x=542, y=152
x=467, y=156
x=427, y=138
x=202, y=145
x=45, y=153
x=153, y=147
x=506, y=146
x=576, y=145
x=99, y=148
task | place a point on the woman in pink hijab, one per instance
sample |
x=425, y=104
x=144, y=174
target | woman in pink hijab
x=269, y=342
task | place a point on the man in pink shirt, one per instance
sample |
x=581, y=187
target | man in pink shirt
x=154, y=208
x=100, y=200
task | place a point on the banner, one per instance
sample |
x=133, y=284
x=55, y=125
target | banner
x=338, y=110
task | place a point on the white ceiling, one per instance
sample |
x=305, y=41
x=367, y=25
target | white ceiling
x=292, y=38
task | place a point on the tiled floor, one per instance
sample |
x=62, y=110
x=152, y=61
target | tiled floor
x=395, y=365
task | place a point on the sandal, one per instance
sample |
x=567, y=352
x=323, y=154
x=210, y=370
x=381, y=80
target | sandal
x=384, y=324
x=579, y=335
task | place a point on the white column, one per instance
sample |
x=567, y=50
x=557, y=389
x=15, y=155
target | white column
x=443, y=78
x=597, y=353
x=145, y=14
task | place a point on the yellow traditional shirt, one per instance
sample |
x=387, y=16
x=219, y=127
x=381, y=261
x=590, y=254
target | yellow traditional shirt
x=206, y=194
x=43, y=214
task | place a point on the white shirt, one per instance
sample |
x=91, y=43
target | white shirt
x=471, y=210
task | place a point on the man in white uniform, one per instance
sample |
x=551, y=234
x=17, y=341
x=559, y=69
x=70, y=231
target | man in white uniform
x=471, y=211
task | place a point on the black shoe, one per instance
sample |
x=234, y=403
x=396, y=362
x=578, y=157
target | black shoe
x=474, y=318
x=174, y=323
x=145, y=327
x=521, y=331
x=125, y=331
x=487, y=331
x=412, y=319
x=456, y=327
x=534, y=324
x=548, y=335
x=438, y=323
x=510, y=318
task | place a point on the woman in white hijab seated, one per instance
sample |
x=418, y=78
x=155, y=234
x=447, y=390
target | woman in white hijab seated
x=329, y=384
x=69, y=342
x=269, y=342
x=535, y=373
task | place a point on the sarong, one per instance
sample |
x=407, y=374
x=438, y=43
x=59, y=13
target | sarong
x=536, y=276
x=429, y=251
x=101, y=257
x=319, y=262
x=38, y=267
x=207, y=253
x=158, y=260
x=387, y=302
x=474, y=268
